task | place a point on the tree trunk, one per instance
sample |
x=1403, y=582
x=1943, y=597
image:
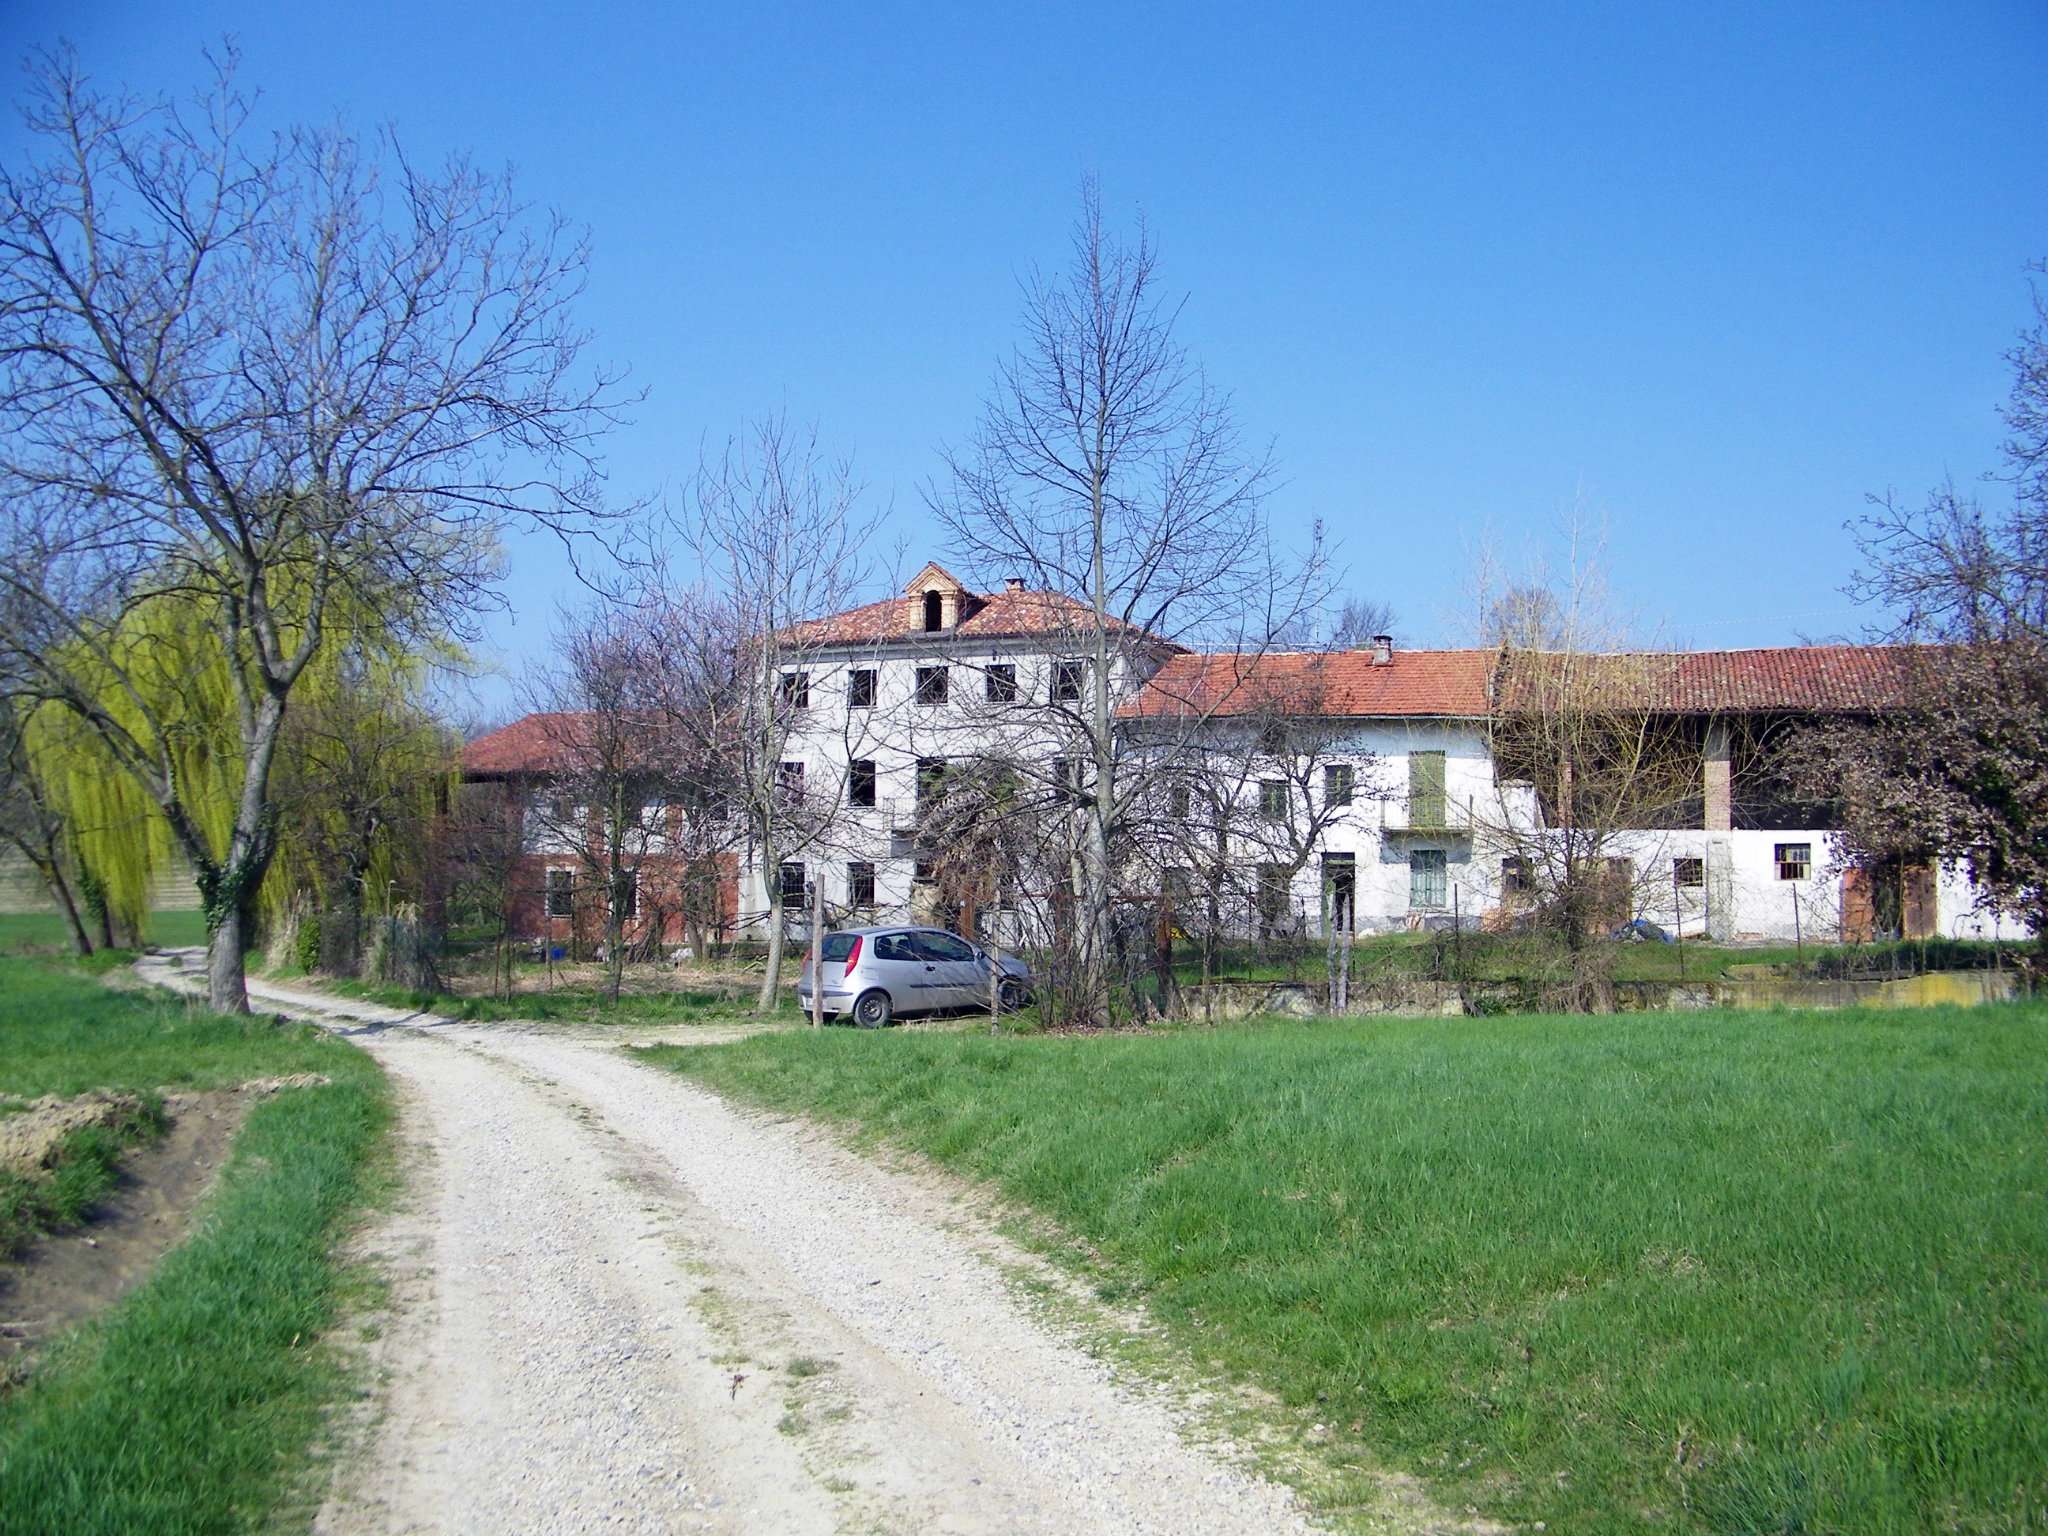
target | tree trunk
x=227, y=990
x=771, y=975
x=60, y=892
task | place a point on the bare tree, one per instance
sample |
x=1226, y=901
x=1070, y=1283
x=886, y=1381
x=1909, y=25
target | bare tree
x=1587, y=758
x=1959, y=769
x=777, y=532
x=1107, y=470
x=275, y=378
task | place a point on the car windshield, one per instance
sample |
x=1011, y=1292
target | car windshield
x=943, y=946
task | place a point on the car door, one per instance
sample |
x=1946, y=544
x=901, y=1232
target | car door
x=900, y=968
x=956, y=969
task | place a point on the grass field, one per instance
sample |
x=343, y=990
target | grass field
x=1716, y=1272
x=190, y=1406
x=45, y=933
x=562, y=1005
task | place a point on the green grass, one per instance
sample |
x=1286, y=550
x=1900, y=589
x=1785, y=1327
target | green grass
x=1714, y=1272
x=566, y=1004
x=45, y=933
x=190, y=1406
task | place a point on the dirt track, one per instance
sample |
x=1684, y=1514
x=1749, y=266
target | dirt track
x=621, y=1304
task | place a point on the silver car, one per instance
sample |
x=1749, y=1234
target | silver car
x=876, y=974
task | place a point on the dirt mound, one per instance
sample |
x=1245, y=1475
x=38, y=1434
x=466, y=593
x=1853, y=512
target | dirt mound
x=30, y=1133
x=268, y=1085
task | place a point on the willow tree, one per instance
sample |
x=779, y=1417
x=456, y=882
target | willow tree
x=236, y=363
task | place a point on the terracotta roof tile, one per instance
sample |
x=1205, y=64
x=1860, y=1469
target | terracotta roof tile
x=530, y=744
x=1791, y=679
x=1338, y=683
x=987, y=616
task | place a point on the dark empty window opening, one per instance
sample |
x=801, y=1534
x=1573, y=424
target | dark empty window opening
x=1002, y=683
x=1795, y=860
x=561, y=893
x=860, y=885
x=1066, y=778
x=1690, y=874
x=629, y=893
x=1273, y=799
x=931, y=685
x=1340, y=890
x=1338, y=784
x=1516, y=877
x=1066, y=681
x=860, y=688
x=923, y=872
x=934, y=612
x=1180, y=802
x=792, y=881
x=931, y=781
x=860, y=781
x=796, y=690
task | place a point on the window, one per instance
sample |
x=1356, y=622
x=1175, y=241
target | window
x=934, y=612
x=1272, y=899
x=1338, y=782
x=789, y=778
x=860, y=885
x=942, y=947
x=1340, y=890
x=1516, y=877
x=629, y=893
x=1273, y=799
x=795, y=690
x=860, y=688
x=1180, y=803
x=860, y=781
x=1426, y=789
x=1689, y=873
x=1428, y=880
x=561, y=893
x=1001, y=682
x=1795, y=860
x=895, y=946
x=793, y=881
x=931, y=781
x=924, y=874
x=1066, y=779
x=1066, y=680
x=931, y=685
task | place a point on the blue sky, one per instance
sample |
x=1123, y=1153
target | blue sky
x=1716, y=271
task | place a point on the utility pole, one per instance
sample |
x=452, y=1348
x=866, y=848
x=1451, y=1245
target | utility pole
x=817, y=896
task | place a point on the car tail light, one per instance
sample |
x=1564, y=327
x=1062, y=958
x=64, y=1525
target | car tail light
x=853, y=955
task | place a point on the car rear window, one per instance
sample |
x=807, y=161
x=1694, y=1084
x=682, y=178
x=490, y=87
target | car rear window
x=838, y=945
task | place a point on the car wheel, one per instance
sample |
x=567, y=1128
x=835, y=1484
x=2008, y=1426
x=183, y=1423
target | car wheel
x=1011, y=995
x=872, y=1010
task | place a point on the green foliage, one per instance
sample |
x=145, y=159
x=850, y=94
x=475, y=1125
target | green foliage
x=1754, y=1272
x=168, y=652
x=190, y=1407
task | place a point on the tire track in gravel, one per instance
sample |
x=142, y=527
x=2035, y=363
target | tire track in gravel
x=619, y=1303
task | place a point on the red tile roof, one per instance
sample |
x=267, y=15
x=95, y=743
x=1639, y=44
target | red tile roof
x=1458, y=684
x=986, y=616
x=530, y=744
x=1339, y=683
x=1805, y=679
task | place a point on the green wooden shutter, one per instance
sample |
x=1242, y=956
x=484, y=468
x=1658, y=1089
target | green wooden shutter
x=1425, y=789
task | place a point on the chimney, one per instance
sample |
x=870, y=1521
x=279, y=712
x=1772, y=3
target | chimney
x=1013, y=583
x=1383, y=650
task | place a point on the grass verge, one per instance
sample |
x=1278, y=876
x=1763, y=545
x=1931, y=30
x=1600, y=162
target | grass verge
x=190, y=1406
x=1718, y=1272
x=45, y=933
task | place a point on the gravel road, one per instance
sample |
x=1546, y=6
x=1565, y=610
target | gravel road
x=621, y=1304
